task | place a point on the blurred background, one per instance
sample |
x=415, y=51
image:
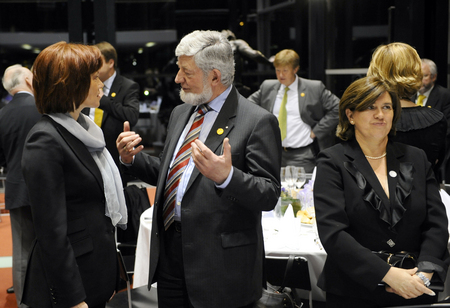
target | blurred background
x=334, y=38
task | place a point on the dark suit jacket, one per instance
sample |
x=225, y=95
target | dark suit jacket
x=16, y=120
x=440, y=100
x=318, y=107
x=222, y=236
x=121, y=104
x=353, y=215
x=74, y=255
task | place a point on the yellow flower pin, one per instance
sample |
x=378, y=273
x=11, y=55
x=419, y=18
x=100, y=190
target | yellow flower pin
x=302, y=94
x=220, y=131
x=113, y=94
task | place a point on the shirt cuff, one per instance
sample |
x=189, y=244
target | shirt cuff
x=227, y=181
x=128, y=165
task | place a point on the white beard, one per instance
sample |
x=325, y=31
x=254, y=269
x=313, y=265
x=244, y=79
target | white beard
x=197, y=99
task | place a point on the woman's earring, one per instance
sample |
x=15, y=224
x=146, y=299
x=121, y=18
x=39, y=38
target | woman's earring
x=351, y=122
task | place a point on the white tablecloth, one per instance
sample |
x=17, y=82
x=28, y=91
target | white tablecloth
x=281, y=237
x=141, y=265
x=301, y=242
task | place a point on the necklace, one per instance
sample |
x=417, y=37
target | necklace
x=375, y=157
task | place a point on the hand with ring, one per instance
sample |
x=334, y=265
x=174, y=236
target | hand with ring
x=128, y=144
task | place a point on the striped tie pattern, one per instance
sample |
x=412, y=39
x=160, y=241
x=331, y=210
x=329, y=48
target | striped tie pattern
x=178, y=166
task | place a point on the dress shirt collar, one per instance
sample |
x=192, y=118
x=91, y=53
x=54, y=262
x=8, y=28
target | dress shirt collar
x=25, y=92
x=427, y=94
x=217, y=103
x=108, y=82
x=293, y=86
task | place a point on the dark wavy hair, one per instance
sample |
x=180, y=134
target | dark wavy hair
x=62, y=76
x=361, y=94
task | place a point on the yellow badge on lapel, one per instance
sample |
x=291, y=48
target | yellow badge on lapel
x=302, y=94
x=220, y=131
x=113, y=94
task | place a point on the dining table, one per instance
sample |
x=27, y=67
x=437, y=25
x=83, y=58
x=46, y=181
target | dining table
x=283, y=236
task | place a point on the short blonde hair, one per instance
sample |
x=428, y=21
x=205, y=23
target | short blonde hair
x=287, y=57
x=399, y=65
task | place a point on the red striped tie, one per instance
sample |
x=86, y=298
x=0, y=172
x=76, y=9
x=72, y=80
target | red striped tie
x=178, y=166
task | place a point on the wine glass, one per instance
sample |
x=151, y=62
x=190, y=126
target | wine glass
x=301, y=177
x=283, y=177
x=291, y=175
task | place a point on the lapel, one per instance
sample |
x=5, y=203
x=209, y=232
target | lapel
x=80, y=151
x=433, y=99
x=399, y=176
x=181, y=116
x=226, y=121
x=113, y=92
x=272, y=96
x=116, y=85
x=356, y=156
x=302, y=98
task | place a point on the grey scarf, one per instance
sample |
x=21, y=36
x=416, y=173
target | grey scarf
x=92, y=136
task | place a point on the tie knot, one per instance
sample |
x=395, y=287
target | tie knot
x=285, y=90
x=203, y=109
x=420, y=99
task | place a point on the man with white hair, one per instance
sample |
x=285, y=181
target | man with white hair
x=207, y=245
x=431, y=94
x=435, y=96
x=16, y=119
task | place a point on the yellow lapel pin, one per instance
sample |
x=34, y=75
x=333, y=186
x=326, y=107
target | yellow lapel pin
x=220, y=131
x=113, y=94
x=302, y=94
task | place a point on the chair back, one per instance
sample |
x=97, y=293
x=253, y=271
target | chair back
x=296, y=277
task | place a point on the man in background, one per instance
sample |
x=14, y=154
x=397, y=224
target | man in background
x=120, y=101
x=435, y=96
x=307, y=112
x=16, y=120
x=431, y=94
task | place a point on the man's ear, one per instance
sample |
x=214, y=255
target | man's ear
x=111, y=63
x=29, y=82
x=216, y=77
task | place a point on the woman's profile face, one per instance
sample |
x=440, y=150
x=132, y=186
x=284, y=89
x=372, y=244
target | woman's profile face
x=375, y=122
x=95, y=92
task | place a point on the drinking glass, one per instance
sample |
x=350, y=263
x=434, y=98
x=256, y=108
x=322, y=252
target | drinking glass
x=301, y=178
x=291, y=175
x=283, y=177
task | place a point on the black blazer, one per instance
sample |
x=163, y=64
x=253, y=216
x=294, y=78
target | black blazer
x=121, y=104
x=16, y=120
x=354, y=218
x=74, y=256
x=223, y=246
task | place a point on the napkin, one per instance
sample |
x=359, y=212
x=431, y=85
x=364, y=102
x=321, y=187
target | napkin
x=289, y=229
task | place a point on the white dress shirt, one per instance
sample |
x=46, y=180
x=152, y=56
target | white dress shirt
x=209, y=119
x=298, y=133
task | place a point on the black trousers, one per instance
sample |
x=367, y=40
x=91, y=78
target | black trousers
x=172, y=291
